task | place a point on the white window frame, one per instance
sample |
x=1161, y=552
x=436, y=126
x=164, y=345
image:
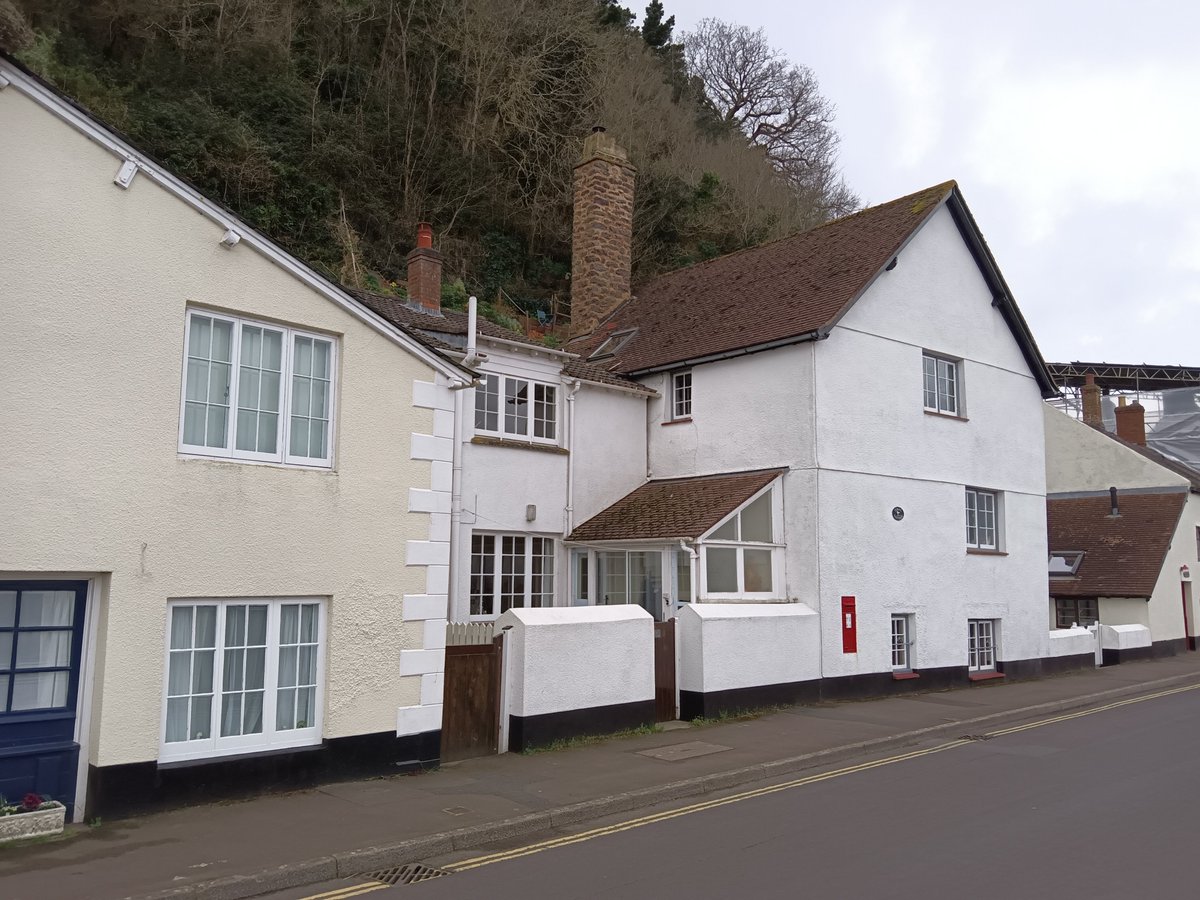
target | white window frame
x=981, y=645
x=775, y=546
x=216, y=746
x=975, y=503
x=532, y=387
x=681, y=395
x=901, y=642
x=283, y=454
x=497, y=556
x=946, y=371
x=613, y=343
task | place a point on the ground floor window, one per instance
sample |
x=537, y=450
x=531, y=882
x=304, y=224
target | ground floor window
x=510, y=570
x=683, y=576
x=901, y=643
x=242, y=675
x=1070, y=611
x=981, y=645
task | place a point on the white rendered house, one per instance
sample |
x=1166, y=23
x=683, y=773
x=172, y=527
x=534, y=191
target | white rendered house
x=879, y=368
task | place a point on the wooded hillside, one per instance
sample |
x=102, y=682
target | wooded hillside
x=336, y=125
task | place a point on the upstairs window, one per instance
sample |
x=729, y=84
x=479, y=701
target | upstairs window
x=742, y=557
x=681, y=395
x=256, y=391
x=982, y=509
x=516, y=408
x=941, y=385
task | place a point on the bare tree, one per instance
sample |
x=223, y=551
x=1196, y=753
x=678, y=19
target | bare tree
x=775, y=103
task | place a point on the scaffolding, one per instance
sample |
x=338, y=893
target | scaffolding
x=1170, y=395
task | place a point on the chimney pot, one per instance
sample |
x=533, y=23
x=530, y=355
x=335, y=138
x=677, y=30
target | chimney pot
x=425, y=235
x=1131, y=422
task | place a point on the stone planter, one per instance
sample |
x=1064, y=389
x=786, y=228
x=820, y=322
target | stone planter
x=33, y=824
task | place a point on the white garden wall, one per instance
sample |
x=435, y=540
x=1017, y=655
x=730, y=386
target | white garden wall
x=725, y=646
x=1071, y=642
x=577, y=658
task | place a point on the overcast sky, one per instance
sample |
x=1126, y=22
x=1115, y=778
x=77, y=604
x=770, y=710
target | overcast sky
x=1072, y=128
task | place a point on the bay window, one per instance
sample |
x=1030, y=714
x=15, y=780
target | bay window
x=516, y=408
x=256, y=391
x=242, y=675
x=742, y=557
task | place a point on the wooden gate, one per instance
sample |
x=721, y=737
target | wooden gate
x=471, y=700
x=664, y=671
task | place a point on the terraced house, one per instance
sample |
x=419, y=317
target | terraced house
x=247, y=506
x=217, y=563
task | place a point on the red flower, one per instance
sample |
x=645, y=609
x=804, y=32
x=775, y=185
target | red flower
x=31, y=802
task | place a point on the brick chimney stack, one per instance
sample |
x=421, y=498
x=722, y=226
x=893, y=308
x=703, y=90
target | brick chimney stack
x=602, y=233
x=1092, y=410
x=425, y=271
x=1131, y=422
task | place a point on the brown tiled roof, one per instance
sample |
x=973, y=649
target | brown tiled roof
x=789, y=290
x=454, y=322
x=1122, y=555
x=782, y=289
x=674, y=507
x=578, y=368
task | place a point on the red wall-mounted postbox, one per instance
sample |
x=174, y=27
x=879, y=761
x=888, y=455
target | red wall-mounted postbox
x=849, y=626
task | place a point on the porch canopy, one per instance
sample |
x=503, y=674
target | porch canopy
x=672, y=508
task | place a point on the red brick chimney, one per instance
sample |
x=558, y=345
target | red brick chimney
x=425, y=271
x=602, y=233
x=1131, y=422
x=1092, y=410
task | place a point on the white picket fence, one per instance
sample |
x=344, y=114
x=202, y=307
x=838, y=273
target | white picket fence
x=465, y=633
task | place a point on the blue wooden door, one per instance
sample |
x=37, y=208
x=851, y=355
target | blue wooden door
x=41, y=637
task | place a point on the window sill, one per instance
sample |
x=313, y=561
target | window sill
x=189, y=456
x=237, y=757
x=985, y=676
x=905, y=676
x=685, y=420
x=483, y=441
x=983, y=551
x=942, y=415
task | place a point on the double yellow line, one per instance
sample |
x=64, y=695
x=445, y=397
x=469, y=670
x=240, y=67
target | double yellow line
x=566, y=840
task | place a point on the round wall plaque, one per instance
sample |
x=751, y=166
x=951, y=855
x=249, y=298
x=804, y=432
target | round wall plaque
x=897, y=513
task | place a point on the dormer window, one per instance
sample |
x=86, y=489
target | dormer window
x=613, y=344
x=517, y=409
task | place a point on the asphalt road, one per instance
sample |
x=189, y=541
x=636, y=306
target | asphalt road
x=1104, y=805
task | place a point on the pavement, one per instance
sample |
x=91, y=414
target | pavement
x=233, y=850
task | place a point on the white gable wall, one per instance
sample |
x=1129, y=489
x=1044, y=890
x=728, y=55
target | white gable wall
x=877, y=449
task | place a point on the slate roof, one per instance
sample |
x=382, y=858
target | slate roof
x=441, y=331
x=670, y=508
x=1122, y=555
x=792, y=289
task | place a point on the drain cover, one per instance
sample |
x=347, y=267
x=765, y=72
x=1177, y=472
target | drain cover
x=676, y=752
x=409, y=874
